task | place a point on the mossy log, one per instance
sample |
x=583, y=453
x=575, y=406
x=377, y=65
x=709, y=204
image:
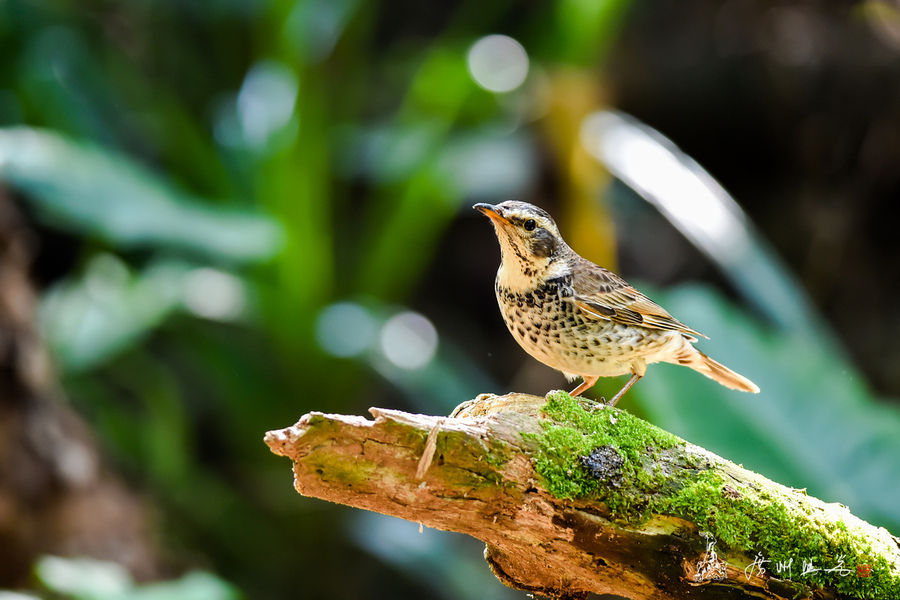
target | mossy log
x=574, y=498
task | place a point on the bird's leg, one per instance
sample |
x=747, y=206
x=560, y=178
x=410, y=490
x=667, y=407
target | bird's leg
x=624, y=389
x=587, y=384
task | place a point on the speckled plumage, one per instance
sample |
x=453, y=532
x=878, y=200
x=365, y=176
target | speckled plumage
x=580, y=318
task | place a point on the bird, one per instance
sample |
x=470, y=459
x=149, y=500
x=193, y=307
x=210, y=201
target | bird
x=580, y=318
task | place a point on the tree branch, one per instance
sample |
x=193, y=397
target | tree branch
x=573, y=498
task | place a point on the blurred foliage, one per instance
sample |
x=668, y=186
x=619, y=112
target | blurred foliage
x=105, y=196
x=86, y=579
x=210, y=180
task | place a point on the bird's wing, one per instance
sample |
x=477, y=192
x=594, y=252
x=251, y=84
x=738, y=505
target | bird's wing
x=601, y=294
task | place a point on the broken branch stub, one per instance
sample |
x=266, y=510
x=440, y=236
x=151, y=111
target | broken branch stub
x=573, y=498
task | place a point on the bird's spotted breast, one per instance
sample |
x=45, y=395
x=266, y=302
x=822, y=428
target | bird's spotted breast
x=549, y=326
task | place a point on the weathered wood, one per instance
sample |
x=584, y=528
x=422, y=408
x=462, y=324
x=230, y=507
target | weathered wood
x=677, y=522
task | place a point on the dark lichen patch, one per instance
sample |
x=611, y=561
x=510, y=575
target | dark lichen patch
x=730, y=491
x=604, y=463
x=662, y=475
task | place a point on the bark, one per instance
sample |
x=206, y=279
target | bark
x=484, y=472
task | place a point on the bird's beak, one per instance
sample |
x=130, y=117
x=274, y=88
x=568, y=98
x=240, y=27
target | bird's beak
x=492, y=212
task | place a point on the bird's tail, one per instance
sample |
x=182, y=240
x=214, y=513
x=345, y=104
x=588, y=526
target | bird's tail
x=701, y=363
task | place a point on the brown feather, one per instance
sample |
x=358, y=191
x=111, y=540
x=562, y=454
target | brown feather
x=716, y=371
x=604, y=295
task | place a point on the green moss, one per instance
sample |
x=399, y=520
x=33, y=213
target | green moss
x=465, y=461
x=762, y=525
x=336, y=468
x=498, y=454
x=575, y=432
x=633, y=486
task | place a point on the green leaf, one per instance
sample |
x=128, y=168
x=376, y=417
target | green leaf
x=91, y=579
x=198, y=585
x=94, y=191
x=88, y=320
x=83, y=577
x=585, y=29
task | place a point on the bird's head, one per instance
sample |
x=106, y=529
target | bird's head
x=527, y=234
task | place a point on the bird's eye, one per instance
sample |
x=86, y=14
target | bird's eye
x=530, y=225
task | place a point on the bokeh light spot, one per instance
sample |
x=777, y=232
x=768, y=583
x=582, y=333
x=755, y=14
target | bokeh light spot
x=651, y=164
x=884, y=19
x=214, y=294
x=345, y=329
x=409, y=340
x=498, y=63
x=266, y=101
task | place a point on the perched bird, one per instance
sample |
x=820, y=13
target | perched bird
x=580, y=318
